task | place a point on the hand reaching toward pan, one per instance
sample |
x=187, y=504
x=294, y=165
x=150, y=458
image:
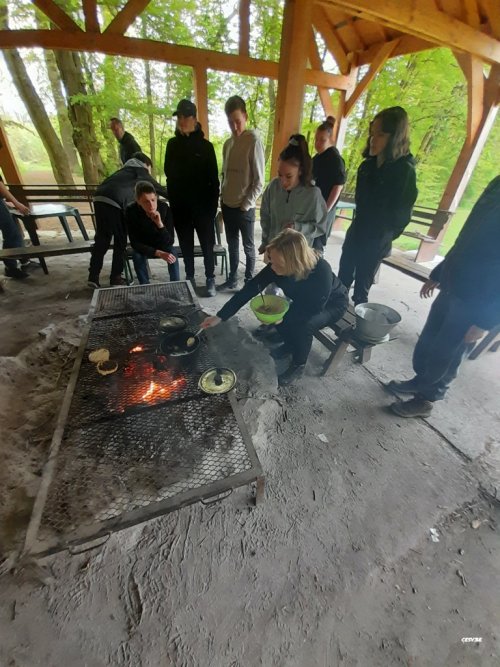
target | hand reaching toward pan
x=211, y=321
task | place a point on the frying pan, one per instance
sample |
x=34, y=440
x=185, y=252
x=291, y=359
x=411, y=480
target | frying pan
x=175, y=345
x=170, y=324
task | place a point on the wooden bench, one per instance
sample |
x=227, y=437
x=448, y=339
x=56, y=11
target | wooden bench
x=408, y=266
x=338, y=337
x=42, y=251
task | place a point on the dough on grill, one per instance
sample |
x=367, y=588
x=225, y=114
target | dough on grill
x=107, y=367
x=102, y=354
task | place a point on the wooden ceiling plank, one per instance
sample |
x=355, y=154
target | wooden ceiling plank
x=90, y=13
x=471, y=14
x=58, y=17
x=147, y=49
x=407, y=44
x=333, y=44
x=412, y=18
x=125, y=17
x=376, y=65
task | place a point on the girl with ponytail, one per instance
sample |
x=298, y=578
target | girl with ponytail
x=291, y=200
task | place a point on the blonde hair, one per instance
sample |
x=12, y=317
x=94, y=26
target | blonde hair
x=298, y=258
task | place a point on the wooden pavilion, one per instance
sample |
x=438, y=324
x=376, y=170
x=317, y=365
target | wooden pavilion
x=356, y=33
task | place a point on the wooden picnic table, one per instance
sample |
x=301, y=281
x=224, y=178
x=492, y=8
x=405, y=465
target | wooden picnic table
x=60, y=211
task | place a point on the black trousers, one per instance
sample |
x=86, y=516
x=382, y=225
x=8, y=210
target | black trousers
x=441, y=347
x=110, y=224
x=297, y=331
x=186, y=223
x=238, y=222
x=360, y=261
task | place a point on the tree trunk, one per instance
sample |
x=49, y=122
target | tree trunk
x=80, y=114
x=62, y=110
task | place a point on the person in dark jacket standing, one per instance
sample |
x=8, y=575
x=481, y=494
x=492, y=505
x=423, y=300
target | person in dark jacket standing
x=385, y=193
x=110, y=201
x=467, y=306
x=318, y=298
x=151, y=232
x=328, y=170
x=193, y=190
x=128, y=144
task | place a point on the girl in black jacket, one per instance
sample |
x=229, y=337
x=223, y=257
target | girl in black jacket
x=317, y=295
x=385, y=193
x=193, y=190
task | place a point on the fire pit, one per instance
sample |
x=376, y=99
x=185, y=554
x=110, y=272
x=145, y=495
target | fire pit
x=144, y=440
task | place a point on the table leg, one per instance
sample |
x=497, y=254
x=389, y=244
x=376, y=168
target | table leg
x=30, y=225
x=80, y=224
x=65, y=226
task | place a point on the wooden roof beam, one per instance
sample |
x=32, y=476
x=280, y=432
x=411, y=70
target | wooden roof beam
x=322, y=25
x=407, y=44
x=376, y=65
x=147, y=49
x=244, y=13
x=426, y=22
x=492, y=11
x=90, y=13
x=125, y=17
x=315, y=62
x=472, y=13
x=58, y=17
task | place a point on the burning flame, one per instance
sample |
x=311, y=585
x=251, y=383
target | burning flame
x=137, y=348
x=156, y=390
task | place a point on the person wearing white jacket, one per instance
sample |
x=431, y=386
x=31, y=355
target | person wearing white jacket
x=242, y=183
x=291, y=200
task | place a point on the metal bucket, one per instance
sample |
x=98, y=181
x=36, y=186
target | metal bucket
x=374, y=321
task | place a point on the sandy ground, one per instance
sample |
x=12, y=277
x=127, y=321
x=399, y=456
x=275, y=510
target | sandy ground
x=336, y=568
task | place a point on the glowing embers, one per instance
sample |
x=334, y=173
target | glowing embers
x=147, y=380
x=137, y=348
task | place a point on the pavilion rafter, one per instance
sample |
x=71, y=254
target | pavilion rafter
x=125, y=17
x=424, y=20
x=90, y=13
x=58, y=17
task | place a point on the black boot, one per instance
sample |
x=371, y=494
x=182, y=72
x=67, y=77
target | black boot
x=292, y=373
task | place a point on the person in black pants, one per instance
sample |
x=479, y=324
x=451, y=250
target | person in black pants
x=467, y=306
x=12, y=237
x=328, y=171
x=318, y=298
x=385, y=193
x=193, y=190
x=110, y=200
x=151, y=232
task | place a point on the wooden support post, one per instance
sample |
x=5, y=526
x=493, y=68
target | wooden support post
x=322, y=24
x=126, y=16
x=244, y=28
x=7, y=162
x=341, y=117
x=201, y=94
x=467, y=160
x=291, y=74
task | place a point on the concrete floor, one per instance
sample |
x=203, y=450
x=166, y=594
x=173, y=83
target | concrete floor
x=336, y=568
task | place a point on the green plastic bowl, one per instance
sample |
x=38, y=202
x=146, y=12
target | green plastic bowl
x=270, y=300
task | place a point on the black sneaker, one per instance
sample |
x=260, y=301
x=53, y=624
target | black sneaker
x=16, y=273
x=404, y=387
x=94, y=284
x=231, y=283
x=292, y=373
x=415, y=407
x=192, y=280
x=117, y=281
x=211, y=291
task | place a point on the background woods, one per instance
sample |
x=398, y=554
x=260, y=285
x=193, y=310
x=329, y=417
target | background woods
x=57, y=105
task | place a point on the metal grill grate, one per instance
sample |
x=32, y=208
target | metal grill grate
x=144, y=440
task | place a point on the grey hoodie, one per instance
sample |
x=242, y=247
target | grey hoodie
x=303, y=208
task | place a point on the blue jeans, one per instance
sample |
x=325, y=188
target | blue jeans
x=441, y=347
x=12, y=237
x=141, y=267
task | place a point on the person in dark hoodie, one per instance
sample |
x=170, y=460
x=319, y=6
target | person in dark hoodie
x=467, y=306
x=128, y=144
x=110, y=201
x=151, y=232
x=385, y=193
x=193, y=190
